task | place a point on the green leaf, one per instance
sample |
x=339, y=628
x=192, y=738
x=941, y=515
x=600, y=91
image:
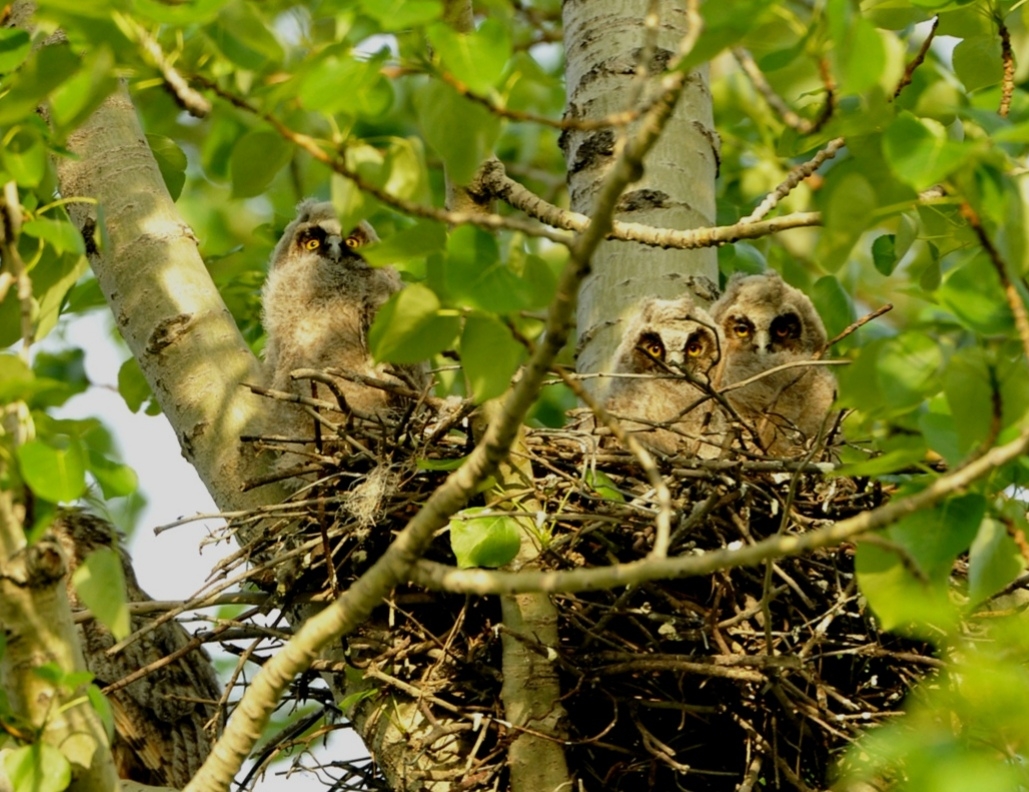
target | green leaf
x=724, y=25
x=367, y=92
x=419, y=240
x=490, y=356
x=115, y=480
x=994, y=561
x=171, y=161
x=851, y=205
x=884, y=254
x=75, y=99
x=833, y=304
x=477, y=58
x=401, y=14
x=897, y=452
x=37, y=768
x=103, y=709
x=906, y=580
x=100, y=582
x=16, y=378
x=45, y=69
x=439, y=464
x=132, y=385
x=477, y=278
x=966, y=384
x=62, y=235
x=411, y=326
x=919, y=152
x=15, y=46
x=55, y=469
x=908, y=368
x=862, y=58
x=256, y=159
x=67, y=366
x=25, y=155
x=244, y=37
x=480, y=539
x=977, y=61
x=601, y=483
x=974, y=294
x=461, y=132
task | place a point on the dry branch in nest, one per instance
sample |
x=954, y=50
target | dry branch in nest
x=688, y=683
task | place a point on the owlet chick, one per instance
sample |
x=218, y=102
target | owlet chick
x=159, y=720
x=318, y=303
x=767, y=323
x=665, y=341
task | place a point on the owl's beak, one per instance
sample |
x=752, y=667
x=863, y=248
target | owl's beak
x=334, y=246
x=762, y=341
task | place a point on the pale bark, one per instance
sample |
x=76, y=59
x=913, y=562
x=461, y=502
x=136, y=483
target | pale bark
x=607, y=39
x=36, y=620
x=164, y=302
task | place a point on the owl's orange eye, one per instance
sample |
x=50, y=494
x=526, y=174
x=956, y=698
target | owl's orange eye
x=782, y=331
x=353, y=242
x=694, y=348
x=312, y=244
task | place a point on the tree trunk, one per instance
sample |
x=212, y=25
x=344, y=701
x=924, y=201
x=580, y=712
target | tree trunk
x=607, y=43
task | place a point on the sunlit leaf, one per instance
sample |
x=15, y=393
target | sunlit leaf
x=25, y=155
x=489, y=356
x=411, y=327
x=100, y=582
x=994, y=561
x=977, y=61
x=15, y=46
x=461, y=132
x=38, y=767
x=55, y=469
x=919, y=151
x=481, y=539
x=171, y=160
x=255, y=161
x=61, y=234
x=401, y=14
x=476, y=58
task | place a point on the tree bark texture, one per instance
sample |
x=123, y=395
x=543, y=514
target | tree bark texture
x=163, y=300
x=606, y=41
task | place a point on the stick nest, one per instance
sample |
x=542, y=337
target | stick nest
x=750, y=675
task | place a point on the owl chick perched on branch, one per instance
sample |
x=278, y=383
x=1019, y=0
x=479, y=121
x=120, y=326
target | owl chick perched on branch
x=318, y=303
x=768, y=323
x=671, y=351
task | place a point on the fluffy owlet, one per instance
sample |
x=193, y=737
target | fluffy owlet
x=666, y=344
x=159, y=720
x=767, y=323
x=318, y=303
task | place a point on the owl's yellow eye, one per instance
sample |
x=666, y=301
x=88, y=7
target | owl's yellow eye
x=742, y=330
x=653, y=347
x=694, y=348
x=353, y=242
x=312, y=244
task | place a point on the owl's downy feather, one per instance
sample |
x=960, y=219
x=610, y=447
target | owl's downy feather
x=160, y=719
x=668, y=343
x=318, y=302
x=766, y=323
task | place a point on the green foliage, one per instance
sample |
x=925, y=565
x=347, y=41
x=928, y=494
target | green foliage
x=482, y=539
x=100, y=583
x=398, y=97
x=38, y=767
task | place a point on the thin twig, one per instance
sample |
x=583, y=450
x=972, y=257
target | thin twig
x=1008, y=59
x=853, y=327
x=909, y=70
x=1015, y=302
x=793, y=178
